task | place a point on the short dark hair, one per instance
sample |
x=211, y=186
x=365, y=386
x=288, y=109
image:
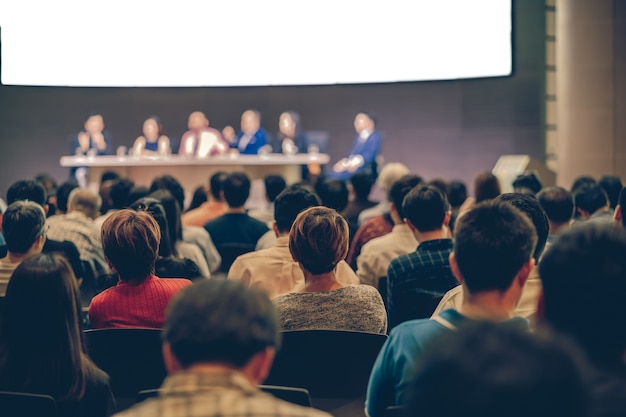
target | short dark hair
x=236, y=187
x=528, y=183
x=457, y=193
x=426, y=208
x=400, y=189
x=130, y=240
x=582, y=181
x=537, y=215
x=289, y=204
x=274, y=184
x=486, y=186
x=590, y=198
x=333, y=193
x=362, y=183
x=492, y=242
x=612, y=185
x=220, y=321
x=216, y=183
x=30, y=190
x=586, y=267
x=497, y=369
x=558, y=204
x=63, y=193
x=120, y=190
x=171, y=184
x=22, y=223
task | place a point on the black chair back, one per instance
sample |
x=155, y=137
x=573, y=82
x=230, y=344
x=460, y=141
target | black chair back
x=20, y=404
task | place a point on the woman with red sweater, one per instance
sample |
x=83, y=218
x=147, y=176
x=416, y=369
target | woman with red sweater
x=131, y=246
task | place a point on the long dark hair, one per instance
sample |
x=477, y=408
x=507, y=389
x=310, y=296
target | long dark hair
x=41, y=346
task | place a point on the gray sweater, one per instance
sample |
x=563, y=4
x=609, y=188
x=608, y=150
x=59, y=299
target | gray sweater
x=352, y=308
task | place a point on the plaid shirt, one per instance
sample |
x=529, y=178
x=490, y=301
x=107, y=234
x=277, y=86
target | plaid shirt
x=198, y=394
x=417, y=281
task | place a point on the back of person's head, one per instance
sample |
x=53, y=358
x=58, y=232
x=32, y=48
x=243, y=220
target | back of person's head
x=85, y=201
x=48, y=182
x=457, y=193
x=216, y=183
x=590, y=198
x=537, y=215
x=333, y=193
x=492, y=242
x=130, y=240
x=172, y=213
x=426, y=208
x=48, y=358
x=23, y=225
x=362, y=183
x=220, y=321
x=29, y=190
x=120, y=192
x=171, y=184
x=612, y=185
x=289, y=204
x=274, y=185
x=497, y=370
x=198, y=198
x=236, y=189
x=439, y=184
x=400, y=189
x=486, y=186
x=137, y=192
x=527, y=183
x=156, y=210
x=582, y=181
x=109, y=176
x=558, y=204
x=584, y=285
x=391, y=173
x=319, y=239
x=63, y=193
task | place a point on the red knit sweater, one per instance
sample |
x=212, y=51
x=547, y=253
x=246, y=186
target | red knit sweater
x=134, y=305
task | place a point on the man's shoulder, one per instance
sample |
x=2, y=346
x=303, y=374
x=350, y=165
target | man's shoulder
x=405, y=261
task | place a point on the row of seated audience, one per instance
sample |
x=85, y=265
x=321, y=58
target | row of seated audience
x=511, y=301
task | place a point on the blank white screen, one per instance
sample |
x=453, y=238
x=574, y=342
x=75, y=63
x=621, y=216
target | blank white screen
x=248, y=42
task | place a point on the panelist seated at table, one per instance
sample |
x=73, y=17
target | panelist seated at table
x=93, y=139
x=201, y=140
x=366, y=145
x=153, y=141
x=252, y=136
x=290, y=138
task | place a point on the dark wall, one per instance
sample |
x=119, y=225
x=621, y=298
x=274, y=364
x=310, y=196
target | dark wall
x=449, y=129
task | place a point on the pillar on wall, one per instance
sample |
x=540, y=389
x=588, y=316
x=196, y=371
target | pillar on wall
x=589, y=89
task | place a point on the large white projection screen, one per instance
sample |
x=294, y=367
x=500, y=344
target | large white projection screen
x=249, y=43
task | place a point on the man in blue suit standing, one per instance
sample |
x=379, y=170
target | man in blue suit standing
x=366, y=145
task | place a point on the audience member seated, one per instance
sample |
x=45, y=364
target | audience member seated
x=389, y=174
x=365, y=148
x=491, y=370
x=527, y=183
x=486, y=187
x=527, y=305
x=612, y=185
x=41, y=350
x=318, y=241
x=558, y=204
x=578, y=183
x=63, y=194
x=24, y=230
x=213, y=208
x=78, y=226
x=378, y=253
x=201, y=140
x=251, y=137
x=119, y=196
x=131, y=246
x=197, y=198
x=618, y=218
x=333, y=193
x=584, y=285
x=50, y=185
x=219, y=342
x=152, y=141
x=191, y=234
x=592, y=204
x=360, y=187
x=33, y=191
x=491, y=259
x=417, y=281
x=235, y=228
x=274, y=185
x=273, y=270
x=457, y=194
